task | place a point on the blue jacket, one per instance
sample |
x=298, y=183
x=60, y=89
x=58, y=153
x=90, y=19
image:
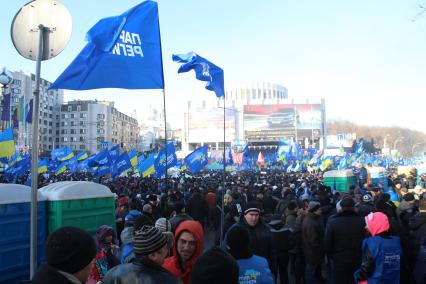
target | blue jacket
x=254, y=270
x=127, y=254
x=386, y=253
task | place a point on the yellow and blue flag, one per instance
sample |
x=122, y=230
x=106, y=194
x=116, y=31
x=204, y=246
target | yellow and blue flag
x=42, y=166
x=62, y=154
x=82, y=156
x=7, y=144
x=146, y=168
x=133, y=156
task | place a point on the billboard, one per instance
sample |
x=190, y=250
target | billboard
x=206, y=125
x=274, y=121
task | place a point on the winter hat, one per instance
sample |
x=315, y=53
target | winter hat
x=147, y=208
x=130, y=217
x=252, y=206
x=70, y=249
x=313, y=206
x=408, y=197
x=215, y=267
x=367, y=198
x=347, y=202
x=148, y=240
x=377, y=223
x=238, y=242
x=141, y=221
x=163, y=225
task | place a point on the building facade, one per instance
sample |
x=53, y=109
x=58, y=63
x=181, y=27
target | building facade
x=22, y=89
x=90, y=125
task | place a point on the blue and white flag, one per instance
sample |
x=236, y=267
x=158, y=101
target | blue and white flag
x=62, y=154
x=100, y=159
x=197, y=160
x=122, y=52
x=204, y=71
x=122, y=164
x=160, y=161
x=114, y=152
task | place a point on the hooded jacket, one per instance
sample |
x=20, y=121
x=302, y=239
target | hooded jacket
x=172, y=264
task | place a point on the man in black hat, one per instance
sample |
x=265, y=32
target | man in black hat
x=343, y=240
x=260, y=234
x=150, y=249
x=70, y=254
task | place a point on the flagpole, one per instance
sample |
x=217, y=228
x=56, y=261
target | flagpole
x=222, y=217
x=164, y=99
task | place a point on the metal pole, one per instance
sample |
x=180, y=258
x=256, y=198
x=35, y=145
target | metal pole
x=222, y=217
x=34, y=157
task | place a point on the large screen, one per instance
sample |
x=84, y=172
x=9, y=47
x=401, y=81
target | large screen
x=282, y=120
x=206, y=125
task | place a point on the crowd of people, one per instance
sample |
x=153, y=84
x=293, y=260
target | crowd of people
x=277, y=228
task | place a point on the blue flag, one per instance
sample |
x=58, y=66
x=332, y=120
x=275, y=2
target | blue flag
x=29, y=117
x=146, y=168
x=122, y=164
x=5, y=115
x=204, y=71
x=103, y=170
x=197, y=160
x=114, y=152
x=101, y=158
x=160, y=161
x=122, y=52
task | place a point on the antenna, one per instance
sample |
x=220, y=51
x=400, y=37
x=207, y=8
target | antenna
x=40, y=30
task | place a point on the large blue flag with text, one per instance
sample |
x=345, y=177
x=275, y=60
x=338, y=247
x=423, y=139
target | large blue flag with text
x=160, y=161
x=204, y=71
x=121, y=164
x=197, y=160
x=122, y=52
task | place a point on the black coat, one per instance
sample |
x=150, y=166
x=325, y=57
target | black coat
x=343, y=237
x=418, y=233
x=260, y=239
x=176, y=220
x=139, y=272
x=197, y=207
x=312, y=239
x=49, y=275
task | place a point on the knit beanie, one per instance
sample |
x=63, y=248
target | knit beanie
x=163, y=225
x=148, y=240
x=252, y=206
x=70, y=249
x=215, y=267
x=238, y=242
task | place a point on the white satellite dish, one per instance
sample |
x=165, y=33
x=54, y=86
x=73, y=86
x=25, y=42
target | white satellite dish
x=56, y=20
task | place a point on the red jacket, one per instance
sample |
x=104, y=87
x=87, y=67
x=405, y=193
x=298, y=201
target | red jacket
x=172, y=263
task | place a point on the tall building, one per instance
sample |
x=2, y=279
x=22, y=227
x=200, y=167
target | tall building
x=22, y=89
x=90, y=125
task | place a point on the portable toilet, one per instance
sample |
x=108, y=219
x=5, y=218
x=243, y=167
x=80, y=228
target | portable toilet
x=15, y=232
x=339, y=180
x=378, y=175
x=82, y=204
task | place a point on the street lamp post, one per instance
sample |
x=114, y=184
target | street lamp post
x=6, y=79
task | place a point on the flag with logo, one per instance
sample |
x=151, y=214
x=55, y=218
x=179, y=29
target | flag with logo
x=197, y=160
x=160, y=161
x=204, y=71
x=122, y=52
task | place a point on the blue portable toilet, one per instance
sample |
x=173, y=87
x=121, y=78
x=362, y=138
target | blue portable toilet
x=15, y=212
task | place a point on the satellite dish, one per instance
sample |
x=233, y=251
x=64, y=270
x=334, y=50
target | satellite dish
x=56, y=20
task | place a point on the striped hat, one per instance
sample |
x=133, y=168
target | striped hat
x=148, y=240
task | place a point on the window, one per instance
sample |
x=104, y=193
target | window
x=101, y=131
x=57, y=124
x=50, y=123
x=82, y=131
x=50, y=115
x=69, y=108
x=57, y=139
x=72, y=131
x=72, y=123
x=57, y=133
x=63, y=116
x=81, y=138
x=50, y=131
x=72, y=115
x=101, y=116
x=64, y=131
x=81, y=123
